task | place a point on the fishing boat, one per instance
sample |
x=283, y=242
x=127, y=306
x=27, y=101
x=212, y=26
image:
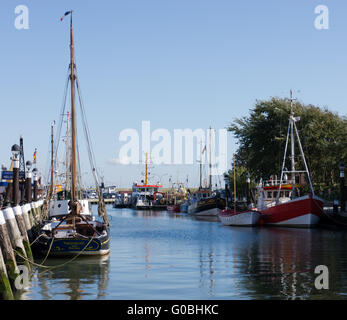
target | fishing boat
x=69, y=227
x=280, y=203
x=205, y=202
x=241, y=214
x=176, y=196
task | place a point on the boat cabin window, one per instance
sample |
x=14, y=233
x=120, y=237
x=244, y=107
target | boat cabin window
x=269, y=194
x=275, y=194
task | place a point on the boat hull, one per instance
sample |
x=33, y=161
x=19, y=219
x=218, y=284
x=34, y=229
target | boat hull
x=72, y=247
x=245, y=218
x=206, y=207
x=173, y=208
x=301, y=212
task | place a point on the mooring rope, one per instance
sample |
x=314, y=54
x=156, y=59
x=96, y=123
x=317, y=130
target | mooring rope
x=48, y=268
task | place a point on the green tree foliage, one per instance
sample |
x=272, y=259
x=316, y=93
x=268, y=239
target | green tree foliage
x=262, y=136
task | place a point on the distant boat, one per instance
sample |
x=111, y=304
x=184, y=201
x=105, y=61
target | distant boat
x=146, y=196
x=205, y=201
x=239, y=215
x=279, y=203
x=122, y=199
x=70, y=228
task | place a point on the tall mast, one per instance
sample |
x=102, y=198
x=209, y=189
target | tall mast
x=292, y=144
x=73, y=117
x=210, y=164
x=146, y=168
x=67, y=153
x=52, y=159
x=200, y=164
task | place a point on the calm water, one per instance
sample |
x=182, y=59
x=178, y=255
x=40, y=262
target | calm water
x=157, y=255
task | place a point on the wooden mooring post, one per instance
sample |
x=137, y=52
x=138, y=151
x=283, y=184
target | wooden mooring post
x=15, y=237
x=17, y=210
x=5, y=287
x=7, y=252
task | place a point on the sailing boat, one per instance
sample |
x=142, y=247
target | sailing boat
x=240, y=215
x=283, y=207
x=205, y=202
x=70, y=228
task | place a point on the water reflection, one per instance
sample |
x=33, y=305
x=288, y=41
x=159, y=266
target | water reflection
x=161, y=255
x=84, y=278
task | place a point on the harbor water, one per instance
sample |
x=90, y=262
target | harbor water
x=161, y=255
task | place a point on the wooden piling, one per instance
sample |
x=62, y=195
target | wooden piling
x=32, y=216
x=5, y=287
x=7, y=251
x=22, y=228
x=15, y=237
x=25, y=210
x=35, y=213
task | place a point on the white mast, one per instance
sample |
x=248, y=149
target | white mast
x=291, y=128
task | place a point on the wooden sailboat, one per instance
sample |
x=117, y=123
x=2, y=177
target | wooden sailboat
x=205, y=201
x=70, y=228
x=239, y=215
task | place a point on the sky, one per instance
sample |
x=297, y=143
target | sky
x=178, y=64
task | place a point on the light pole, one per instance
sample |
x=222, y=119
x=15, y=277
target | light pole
x=15, y=187
x=342, y=187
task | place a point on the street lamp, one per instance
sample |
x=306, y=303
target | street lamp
x=15, y=187
x=15, y=150
x=28, y=190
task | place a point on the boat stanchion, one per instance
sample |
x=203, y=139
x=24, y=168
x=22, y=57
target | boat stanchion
x=5, y=287
x=7, y=251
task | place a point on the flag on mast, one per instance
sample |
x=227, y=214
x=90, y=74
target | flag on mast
x=65, y=14
x=34, y=156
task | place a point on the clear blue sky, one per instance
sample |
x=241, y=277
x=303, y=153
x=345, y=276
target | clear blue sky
x=180, y=64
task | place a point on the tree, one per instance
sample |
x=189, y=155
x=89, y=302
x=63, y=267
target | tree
x=262, y=137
